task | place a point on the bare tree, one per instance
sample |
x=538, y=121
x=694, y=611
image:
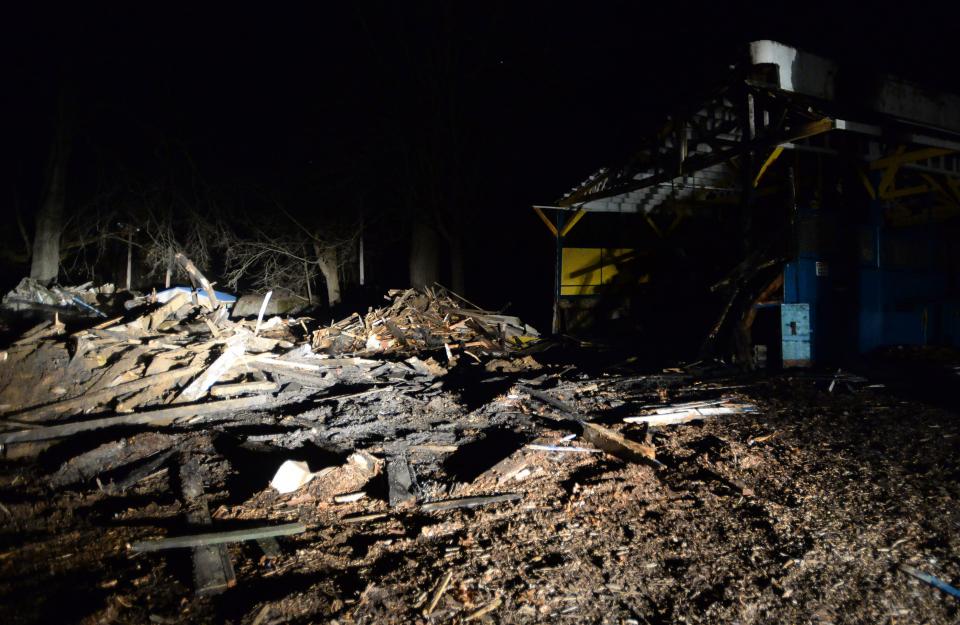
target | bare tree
x=285, y=253
x=45, y=258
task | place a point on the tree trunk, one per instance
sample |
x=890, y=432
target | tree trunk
x=45, y=264
x=424, y=255
x=327, y=261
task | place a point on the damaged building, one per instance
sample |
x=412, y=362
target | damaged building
x=803, y=209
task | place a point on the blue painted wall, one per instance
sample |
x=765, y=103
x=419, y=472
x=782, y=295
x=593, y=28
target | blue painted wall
x=904, y=287
x=898, y=290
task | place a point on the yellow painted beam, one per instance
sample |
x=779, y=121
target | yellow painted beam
x=892, y=167
x=867, y=184
x=954, y=185
x=943, y=189
x=546, y=220
x=901, y=156
x=813, y=128
x=777, y=151
x=573, y=222
x=892, y=194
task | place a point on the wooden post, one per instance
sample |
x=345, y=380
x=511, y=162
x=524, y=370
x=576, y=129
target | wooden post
x=212, y=569
x=129, y=255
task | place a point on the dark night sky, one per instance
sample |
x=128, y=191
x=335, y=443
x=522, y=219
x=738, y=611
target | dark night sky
x=540, y=93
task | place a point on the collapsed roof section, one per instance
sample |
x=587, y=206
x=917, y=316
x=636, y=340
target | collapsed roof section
x=779, y=98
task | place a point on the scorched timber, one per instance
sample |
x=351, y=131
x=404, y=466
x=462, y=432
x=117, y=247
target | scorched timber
x=162, y=417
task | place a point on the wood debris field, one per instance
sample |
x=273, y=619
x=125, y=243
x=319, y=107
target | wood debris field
x=442, y=463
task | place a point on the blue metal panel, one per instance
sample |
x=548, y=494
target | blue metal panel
x=796, y=335
x=800, y=281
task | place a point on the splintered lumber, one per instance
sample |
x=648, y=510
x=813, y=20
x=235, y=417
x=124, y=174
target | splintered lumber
x=196, y=276
x=469, y=502
x=94, y=399
x=113, y=456
x=363, y=518
x=399, y=481
x=161, y=417
x=143, y=397
x=422, y=319
x=160, y=363
x=151, y=466
x=396, y=332
x=562, y=406
x=218, y=538
x=291, y=364
x=160, y=315
x=438, y=593
x=263, y=309
x=41, y=331
x=692, y=411
x=616, y=444
x=108, y=323
x=212, y=569
x=487, y=609
x=243, y=388
x=573, y=450
x=680, y=416
x=113, y=376
x=199, y=387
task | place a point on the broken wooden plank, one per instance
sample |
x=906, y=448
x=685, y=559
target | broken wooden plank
x=232, y=353
x=143, y=397
x=469, y=502
x=243, y=388
x=161, y=363
x=573, y=450
x=263, y=309
x=438, y=593
x=92, y=400
x=562, y=406
x=490, y=607
x=212, y=569
x=42, y=331
x=110, y=457
x=196, y=276
x=363, y=518
x=673, y=418
x=217, y=538
x=113, y=375
x=175, y=303
x=692, y=411
x=290, y=364
x=161, y=417
x=142, y=472
x=108, y=323
x=214, y=330
x=616, y=444
x=349, y=497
